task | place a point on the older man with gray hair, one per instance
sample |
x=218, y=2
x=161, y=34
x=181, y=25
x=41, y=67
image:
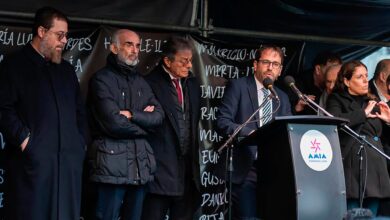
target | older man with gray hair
x=123, y=110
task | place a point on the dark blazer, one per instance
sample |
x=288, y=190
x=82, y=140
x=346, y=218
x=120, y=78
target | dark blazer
x=42, y=98
x=239, y=102
x=386, y=129
x=378, y=181
x=169, y=177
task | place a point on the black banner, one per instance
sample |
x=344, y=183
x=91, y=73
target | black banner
x=214, y=63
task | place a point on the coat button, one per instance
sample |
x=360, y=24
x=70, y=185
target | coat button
x=111, y=152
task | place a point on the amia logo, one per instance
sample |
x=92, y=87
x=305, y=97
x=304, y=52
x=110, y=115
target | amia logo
x=316, y=150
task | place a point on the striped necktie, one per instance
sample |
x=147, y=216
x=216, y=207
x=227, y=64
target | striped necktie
x=267, y=108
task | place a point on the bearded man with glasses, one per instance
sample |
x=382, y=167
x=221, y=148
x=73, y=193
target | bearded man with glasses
x=241, y=99
x=43, y=121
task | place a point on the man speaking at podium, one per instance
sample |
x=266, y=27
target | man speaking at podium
x=242, y=98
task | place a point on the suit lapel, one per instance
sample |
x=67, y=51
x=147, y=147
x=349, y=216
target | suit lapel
x=166, y=100
x=275, y=105
x=252, y=91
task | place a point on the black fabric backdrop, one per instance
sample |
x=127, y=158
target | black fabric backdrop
x=350, y=19
x=214, y=63
x=170, y=12
x=88, y=46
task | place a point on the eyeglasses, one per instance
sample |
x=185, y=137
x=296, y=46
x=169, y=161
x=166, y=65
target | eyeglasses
x=60, y=34
x=185, y=61
x=274, y=64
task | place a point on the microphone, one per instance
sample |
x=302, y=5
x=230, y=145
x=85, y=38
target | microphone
x=268, y=83
x=290, y=82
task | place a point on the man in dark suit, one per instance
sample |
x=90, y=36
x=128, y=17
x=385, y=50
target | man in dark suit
x=243, y=96
x=175, y=143
x=312, y=82
x=42, y=119
x=378, y=87
x=377, y=84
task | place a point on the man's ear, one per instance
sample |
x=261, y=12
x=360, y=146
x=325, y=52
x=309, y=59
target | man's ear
x=382, y=77
x=255, y=65
x=114, y=49
x=167, y=62
x=41, y=31
x=317, y=69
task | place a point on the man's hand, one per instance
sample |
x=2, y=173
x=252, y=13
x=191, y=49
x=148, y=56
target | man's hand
x=302, y=104
x=126, y=113
x=24, y=143
x=149, y=108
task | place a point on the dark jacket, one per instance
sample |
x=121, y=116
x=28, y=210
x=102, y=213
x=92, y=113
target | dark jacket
x=120, y=153
x=172, y=167
x=306, y=84
x=378, y=181
x=41, y=98
x=386, y=129
x=238, y=104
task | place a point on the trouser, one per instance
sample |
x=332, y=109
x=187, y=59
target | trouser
x=119, y=200
x=180, y=207
x=244, y=197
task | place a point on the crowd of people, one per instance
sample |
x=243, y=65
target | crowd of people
x=143, y=155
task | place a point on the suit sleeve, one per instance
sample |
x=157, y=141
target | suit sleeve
x=105, y=111
x=11, y=125
x=228, y=109
x=144, y=119
x=285, y=104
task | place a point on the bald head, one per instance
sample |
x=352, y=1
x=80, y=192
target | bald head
x=382, y=70
x=126, y=44
x=331, y=74
x=120, y=33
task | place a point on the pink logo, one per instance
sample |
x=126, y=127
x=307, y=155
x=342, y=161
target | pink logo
x=315, y=145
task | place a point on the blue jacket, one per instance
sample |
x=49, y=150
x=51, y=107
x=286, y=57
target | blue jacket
x=238, y=104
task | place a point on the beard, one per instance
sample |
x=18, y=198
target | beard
x=128, y=61
x=51, y=52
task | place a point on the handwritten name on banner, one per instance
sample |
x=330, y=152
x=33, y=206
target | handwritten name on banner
x=147, y=45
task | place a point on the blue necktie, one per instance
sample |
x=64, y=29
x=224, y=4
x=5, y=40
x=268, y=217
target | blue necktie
x=267, y=108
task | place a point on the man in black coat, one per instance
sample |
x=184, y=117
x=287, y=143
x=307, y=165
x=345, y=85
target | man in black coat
x=124, y=111
x=312, y=82
x=176, y=183
x=378, y=87
x=43, y=123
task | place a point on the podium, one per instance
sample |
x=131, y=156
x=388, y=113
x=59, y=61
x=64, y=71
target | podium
x=300, y=170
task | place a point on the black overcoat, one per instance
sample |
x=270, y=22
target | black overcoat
x=374, y=165
x=41, y=99
x=169, y=177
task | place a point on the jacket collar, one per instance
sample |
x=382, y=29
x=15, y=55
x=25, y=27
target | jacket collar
x=36, y=57
x=119, y=67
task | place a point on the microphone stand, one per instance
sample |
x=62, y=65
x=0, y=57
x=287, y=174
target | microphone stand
x=360, y=138
x=229, y=144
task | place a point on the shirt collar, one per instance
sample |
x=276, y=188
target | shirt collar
x=169, y=73
x=259, y=85
x=381, y=96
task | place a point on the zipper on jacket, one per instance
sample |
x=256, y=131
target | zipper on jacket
x=124, y=99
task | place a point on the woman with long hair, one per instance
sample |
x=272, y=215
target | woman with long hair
x=351, y=100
